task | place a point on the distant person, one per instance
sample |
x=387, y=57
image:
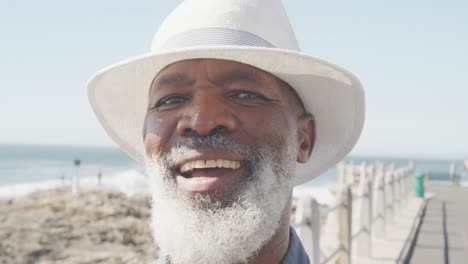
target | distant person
x=62, y=177
x=99, y=177
x=220, y=112
x=75, y=188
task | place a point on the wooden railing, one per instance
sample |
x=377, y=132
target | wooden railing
x=371, y=194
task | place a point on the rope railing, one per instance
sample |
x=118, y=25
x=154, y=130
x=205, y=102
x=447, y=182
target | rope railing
x=377, y=200
x=355, y=235
x=325, y=212
x=332, y=256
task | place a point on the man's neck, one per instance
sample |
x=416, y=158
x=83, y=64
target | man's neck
x=274, y=251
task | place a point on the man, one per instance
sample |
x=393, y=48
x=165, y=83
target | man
x=220, y=112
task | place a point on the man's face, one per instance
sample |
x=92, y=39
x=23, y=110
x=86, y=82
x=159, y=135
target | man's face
x=199, y=98
x=222, y=139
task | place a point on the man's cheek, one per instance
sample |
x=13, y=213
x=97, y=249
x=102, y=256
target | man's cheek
x=159, y=132
x=152, y=144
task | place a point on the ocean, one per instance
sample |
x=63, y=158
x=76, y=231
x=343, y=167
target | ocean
x=25, y=168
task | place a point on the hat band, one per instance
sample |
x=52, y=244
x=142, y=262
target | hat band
x=215, y=37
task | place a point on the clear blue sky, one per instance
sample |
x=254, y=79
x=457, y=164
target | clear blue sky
x=411, y=56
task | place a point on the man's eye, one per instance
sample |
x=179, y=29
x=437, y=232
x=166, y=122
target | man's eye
x=248, y=98
x=248, y=95
x=172, y=100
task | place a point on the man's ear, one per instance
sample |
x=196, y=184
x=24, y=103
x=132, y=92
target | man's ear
x=145, y=126
x=306, y=137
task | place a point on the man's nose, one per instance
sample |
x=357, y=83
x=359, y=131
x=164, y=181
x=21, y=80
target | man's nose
x=206, y=115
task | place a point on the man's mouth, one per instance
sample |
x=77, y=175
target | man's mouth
x=201, y=176
x=188, y=167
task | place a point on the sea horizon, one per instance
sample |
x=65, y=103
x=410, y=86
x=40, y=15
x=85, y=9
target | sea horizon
x=24, y=167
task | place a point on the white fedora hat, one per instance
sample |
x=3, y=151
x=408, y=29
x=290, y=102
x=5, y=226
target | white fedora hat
x=254, y=32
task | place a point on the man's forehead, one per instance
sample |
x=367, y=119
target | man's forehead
x=222, y=71
x=226, y=63
x=225, y=68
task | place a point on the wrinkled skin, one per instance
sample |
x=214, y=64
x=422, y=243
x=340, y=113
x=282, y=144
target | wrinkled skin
x=198, y=98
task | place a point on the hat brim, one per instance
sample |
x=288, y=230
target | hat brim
x=118, y=95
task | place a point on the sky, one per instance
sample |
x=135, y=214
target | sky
x=411, y=56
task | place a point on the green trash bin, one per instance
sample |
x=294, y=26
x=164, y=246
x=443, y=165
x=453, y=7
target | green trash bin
x=418, y=185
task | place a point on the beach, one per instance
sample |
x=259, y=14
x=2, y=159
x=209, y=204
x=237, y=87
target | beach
x=96, y=226
x=99, y=225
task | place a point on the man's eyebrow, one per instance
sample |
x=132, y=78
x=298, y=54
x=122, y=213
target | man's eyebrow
x=240, y=75
x=169, y=79
x=229, y=76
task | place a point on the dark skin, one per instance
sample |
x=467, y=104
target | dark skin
x=245, y=104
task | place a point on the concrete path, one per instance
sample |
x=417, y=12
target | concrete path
x=443, y=233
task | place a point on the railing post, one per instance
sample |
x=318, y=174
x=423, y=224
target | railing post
x=397, y=192
x=453, y=175
x=410, y=177
x=345, y=224
x=364, y=239
x=403, y=189
x=307, y=217
x=341, y=171
x=389, y=196
x=379, y=205
x=407, y=182
x=370, y=172
x=350, y=176
x=315, y=257
x=370, y=205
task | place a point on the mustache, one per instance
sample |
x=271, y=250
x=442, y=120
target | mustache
x=250, y=155
x=216, y=142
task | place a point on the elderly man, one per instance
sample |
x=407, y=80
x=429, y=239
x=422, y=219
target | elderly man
x=221, y=112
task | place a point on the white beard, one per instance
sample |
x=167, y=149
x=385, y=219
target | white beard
x=198, y=230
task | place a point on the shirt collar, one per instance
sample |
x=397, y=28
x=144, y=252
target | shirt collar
x=296, y=253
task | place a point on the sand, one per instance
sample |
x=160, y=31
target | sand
x=97, y=226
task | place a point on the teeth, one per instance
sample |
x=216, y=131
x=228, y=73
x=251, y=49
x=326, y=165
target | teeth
x=202, y=164
x=210, y=164
x=235, y=164
x=199, y=164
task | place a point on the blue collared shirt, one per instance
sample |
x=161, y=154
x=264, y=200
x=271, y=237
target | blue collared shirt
x=295, y=254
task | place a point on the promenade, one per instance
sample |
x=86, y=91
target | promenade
x=442, y=237
x=378, y=220
x=374, y=220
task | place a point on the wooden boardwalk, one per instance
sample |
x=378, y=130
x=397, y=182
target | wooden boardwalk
x=377, y=220
x=393, y=247
x=374, y=220
x=442, y=237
